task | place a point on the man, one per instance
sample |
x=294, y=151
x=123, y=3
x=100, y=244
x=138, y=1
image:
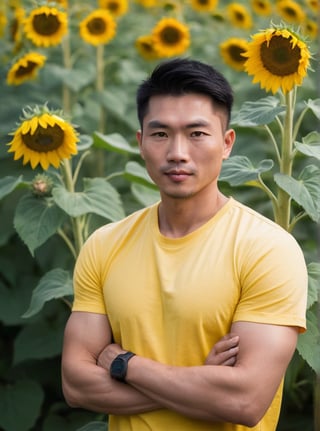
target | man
x=161, y=287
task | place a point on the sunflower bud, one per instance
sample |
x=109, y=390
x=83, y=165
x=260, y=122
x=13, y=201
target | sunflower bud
x=42, y=185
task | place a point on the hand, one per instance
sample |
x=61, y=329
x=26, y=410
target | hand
x=108, y=354
x=224, y=352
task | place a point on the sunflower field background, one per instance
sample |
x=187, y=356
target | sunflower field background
x=69, y=162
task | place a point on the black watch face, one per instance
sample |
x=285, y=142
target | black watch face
x=118, y=368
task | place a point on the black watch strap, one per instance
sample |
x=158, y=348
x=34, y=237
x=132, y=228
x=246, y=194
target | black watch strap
x=119, y=366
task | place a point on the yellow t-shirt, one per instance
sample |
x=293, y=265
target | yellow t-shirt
x=172, y=299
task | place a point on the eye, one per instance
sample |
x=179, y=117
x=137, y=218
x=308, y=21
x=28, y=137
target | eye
x=198, y=134
x=159, y=134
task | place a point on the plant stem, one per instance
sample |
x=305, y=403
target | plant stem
x=100, y=83
x=77, y=227
x=282, y=213
x=66, y=95
x=100, y=88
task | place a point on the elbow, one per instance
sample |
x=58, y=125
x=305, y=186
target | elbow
x=251, y=412
x=70, y=396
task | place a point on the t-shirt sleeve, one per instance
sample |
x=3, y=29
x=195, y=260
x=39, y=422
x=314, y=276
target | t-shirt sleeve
x=87, y=280
x=274, y=281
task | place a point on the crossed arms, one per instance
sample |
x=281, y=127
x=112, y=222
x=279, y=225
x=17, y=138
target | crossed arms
x=213, y=392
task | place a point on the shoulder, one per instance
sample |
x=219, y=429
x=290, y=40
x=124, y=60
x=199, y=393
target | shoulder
x=255, y=223
x=257, y=235
x=122, y=227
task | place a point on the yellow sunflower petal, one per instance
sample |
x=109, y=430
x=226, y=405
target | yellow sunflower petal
x=170, y=37
x=277, y=59
x=44, y=139
x=46, y=26
x=99, y=27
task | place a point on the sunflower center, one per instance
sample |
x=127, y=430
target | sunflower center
x=96, y=26
x=46, y=25
x=113, y=6
x=235, y=53
x=203, y=2
x=170, y=35
x=261, y=5
x=44, y=139
x=279, y=58
x=290, y=12
x=239, y=16
x=26, y=70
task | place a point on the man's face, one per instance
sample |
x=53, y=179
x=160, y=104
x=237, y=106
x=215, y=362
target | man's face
x=183, y=144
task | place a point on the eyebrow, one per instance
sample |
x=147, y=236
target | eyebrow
x=155, y=124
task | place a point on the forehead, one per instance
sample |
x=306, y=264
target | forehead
x=186, y=108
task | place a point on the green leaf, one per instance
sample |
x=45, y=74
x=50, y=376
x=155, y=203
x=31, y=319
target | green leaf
x=310, y=145
x=86, y=141
x=137, y=173
x=113, y=99
x=114, y=142
x=20, y=405
x=36, y=220
x=305, y=191
x=94, y=426
x=75, y=79
x=314, y=105
x=14, y=301
x=8, y=184
x=98, y=197
x=313, y=283
x=39, y=340
x=56, y=283
x=309, y=342
x=145, y=195
x=258, y=113
x=238, y=170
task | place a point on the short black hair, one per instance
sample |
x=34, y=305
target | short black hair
x=181, y=76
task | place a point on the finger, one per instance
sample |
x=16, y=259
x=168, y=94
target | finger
x=230, y=362
x=226, y=344
x=222, y=357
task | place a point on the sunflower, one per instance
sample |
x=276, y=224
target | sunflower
x=147, y=3
x=261, y=7
x=43, y=138
x=3, y=22
x=46, y=26
x=144, y=45
x=25, y=68
x=290, y=11
x=204, y=5
x=170, y=6
x=115, y=7
x=277, y=59
x=99, y=27
x=170, y=37
x=310, y=29
x=239, y=16
x=231, y=51
x=17, y=24
x=313, y=5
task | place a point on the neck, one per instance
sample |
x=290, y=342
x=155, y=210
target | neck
x=179, y=217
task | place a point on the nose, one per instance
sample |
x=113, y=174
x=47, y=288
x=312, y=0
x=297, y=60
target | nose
x=178, y=149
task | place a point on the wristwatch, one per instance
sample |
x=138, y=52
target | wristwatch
x=119, y=366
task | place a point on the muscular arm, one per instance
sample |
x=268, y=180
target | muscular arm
x=84, y=383
x=239, y=394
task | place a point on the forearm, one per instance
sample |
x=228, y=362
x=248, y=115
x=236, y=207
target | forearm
x=90, y=387
x=209, y=393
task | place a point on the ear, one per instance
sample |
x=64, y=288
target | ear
x=229, y=139
x=139, y=139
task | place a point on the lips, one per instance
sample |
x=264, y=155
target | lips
x=178, y=175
